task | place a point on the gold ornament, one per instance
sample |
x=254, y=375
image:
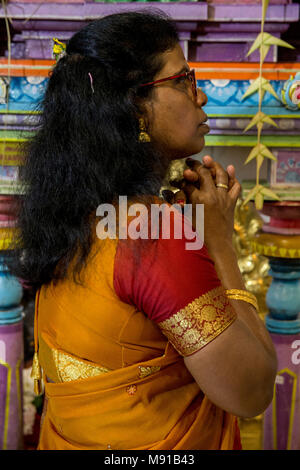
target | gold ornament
x=143, y=135
x=253, y=266
x=238, y=294
x=36, y=374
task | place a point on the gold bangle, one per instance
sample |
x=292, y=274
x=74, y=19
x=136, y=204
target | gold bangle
x=238, y=294
x=245, y=299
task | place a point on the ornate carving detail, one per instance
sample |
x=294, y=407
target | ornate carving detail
x=253, y=266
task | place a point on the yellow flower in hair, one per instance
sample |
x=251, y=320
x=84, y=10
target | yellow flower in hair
x=59, y=49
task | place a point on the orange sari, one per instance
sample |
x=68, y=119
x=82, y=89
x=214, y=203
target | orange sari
x=112, y=357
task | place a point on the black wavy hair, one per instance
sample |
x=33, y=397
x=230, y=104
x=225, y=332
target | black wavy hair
x=85, y=150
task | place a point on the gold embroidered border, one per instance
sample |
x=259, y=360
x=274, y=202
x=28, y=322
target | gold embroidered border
x=199, y=322
x=148, y=370
x=69, y=368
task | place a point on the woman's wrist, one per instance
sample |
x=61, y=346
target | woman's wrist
x=218, y=245
x=226, y=264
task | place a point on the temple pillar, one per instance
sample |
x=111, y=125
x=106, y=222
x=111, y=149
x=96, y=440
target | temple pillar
x=280, y=242
x=11, y=361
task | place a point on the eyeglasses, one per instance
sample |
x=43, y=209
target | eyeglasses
x=190, y=75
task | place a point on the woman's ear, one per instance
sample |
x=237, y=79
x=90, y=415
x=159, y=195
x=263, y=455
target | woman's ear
x=144, y=108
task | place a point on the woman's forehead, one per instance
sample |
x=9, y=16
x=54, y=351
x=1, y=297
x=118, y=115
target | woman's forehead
x=174, y=63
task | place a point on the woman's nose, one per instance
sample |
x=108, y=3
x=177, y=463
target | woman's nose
x=201, y=97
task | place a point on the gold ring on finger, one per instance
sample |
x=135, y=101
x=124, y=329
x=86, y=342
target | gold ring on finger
x=221, y=185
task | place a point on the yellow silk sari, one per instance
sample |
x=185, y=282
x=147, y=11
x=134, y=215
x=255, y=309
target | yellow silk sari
x=139, y=396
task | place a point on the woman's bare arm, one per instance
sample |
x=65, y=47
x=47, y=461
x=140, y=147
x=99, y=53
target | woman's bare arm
x=237, y=369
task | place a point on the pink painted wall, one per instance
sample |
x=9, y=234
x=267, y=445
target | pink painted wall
x=229, y=2
x=240, y=2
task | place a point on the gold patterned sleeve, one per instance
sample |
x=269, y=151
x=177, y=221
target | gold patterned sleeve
x=199, y=322
x=177, y=288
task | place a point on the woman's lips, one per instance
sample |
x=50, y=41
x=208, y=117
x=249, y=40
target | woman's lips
x=204, y=128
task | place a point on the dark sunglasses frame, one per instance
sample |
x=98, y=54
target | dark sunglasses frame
x=190, y=75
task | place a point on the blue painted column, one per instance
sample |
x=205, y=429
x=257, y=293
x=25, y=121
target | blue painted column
x=282, y=417
x=11, y=361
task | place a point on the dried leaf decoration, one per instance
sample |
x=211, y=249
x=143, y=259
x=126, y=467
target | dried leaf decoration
x=259, y=201
x=260, y=152
x=257, y=193
x=266, y=86
x=264, y=41
x=253, y=154
x=260, y=118
x=261, y=85
x=267, y=152
x=254, y=191
x=268, y=192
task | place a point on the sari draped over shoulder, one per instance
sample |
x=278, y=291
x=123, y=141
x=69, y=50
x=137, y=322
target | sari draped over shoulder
x=112, y=351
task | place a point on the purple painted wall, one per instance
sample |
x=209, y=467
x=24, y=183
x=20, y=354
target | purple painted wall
x=208, y=31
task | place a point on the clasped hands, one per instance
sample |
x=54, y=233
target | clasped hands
x=209, y=184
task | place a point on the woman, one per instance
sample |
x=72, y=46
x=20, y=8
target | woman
x=143, y=343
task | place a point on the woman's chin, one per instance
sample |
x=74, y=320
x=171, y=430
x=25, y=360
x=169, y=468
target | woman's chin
x=194, y=149
x=197, y=148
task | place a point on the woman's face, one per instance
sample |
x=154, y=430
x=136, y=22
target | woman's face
x=175, y=119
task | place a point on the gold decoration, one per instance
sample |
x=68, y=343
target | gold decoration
x=276, y=245
x=174, y=173
x=148, y=370
x=209, y=313
x=199, y=322
x=70, y=368
x=244, y=299
x=36, y=374
x=253, y=266
x=143, y=135
x=238, y=294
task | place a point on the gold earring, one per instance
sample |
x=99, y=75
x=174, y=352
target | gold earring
x=143, y=135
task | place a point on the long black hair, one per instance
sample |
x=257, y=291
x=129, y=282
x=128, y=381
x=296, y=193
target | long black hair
x=86, y=150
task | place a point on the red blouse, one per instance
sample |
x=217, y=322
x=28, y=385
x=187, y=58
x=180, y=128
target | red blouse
x=176, y=287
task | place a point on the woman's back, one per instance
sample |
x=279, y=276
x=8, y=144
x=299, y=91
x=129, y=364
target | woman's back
x=91, y=322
